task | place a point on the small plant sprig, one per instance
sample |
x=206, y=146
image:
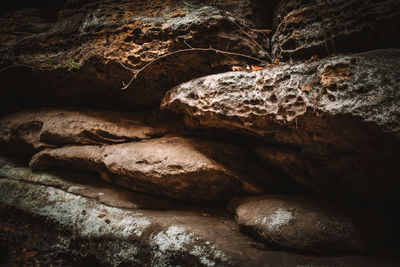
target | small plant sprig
x=71, y=64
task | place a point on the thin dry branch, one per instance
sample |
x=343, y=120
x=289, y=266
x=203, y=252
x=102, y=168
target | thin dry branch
x=125, y=86
x=248, y=35
x=126, y=67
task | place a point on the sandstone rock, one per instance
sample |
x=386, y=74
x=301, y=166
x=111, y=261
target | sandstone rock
x=180, y=168
x=298, y=224
x=49, y=222
x=307, y=28
x=31, y=130
x=346, y=124
x=87, y=185
x=75, y=55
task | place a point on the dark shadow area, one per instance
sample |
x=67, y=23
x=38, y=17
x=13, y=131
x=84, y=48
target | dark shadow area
x=51, y=5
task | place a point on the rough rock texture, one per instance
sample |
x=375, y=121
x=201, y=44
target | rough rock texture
x=105, y=187
x=181, y=168
x=321, y=27
x=86, y=185
x=299, y=224
x=49, y=223
x=341, y=114
x=32, y=130
x=73, y=56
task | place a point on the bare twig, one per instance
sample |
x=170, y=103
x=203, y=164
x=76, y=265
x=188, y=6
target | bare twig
x=187, y=44
x=125, y=67
x=217, y=51
x=248, y=35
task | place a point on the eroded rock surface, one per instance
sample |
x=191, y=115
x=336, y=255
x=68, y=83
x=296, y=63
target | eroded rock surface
x=31, y=130
x=341, y=113
x=74, y=56
x=303, y=224
x=87, y=185
x=50, y=224
x=181, y=168
x=321, y=27
x=107, y=188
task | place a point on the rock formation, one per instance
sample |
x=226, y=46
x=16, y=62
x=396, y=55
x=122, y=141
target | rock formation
x=83, y=54
x=301, y=224
x=339, y=115
x=182, y=168
x=322, y=27
x=199, y=133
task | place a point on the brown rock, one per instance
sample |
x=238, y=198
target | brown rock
x=322, y=27
x=75, y=56
x=298, y=224
x=180, y=168
x=86, y=185
x=28, y=131
x=346, y=126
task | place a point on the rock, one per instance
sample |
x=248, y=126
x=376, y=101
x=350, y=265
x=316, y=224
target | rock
x=321, y=27
x=299, y=224
x=176, y=167
x=74, y=56
x=31, y=130
x=86, y=185
x=346, y=125
x=50, y=224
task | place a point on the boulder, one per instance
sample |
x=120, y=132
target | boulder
x=181, y=168
x=323, y=27
x=300, y=224
x=84, y=53
x=28, y=131
x=341, y=114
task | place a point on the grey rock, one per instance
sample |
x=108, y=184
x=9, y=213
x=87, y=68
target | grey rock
x=50, y=222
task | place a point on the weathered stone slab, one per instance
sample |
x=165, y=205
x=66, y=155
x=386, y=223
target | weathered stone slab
x=180, y=168
x=32, y=130
x=341, y=114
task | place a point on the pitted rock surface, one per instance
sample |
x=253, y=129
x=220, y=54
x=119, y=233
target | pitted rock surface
x=342, y=113
x=180, y=168
x=321, y=27
x=362, y=85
